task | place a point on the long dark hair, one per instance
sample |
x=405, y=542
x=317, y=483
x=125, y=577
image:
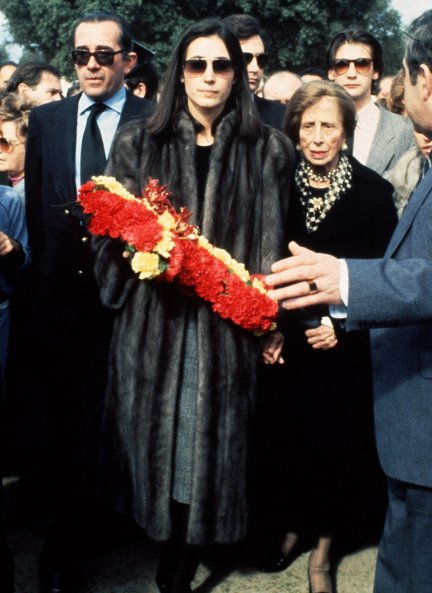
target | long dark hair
x=173, y=97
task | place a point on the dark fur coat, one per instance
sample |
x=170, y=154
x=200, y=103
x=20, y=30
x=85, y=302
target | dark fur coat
x=243, y=211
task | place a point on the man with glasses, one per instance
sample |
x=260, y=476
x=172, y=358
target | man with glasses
x=68, y=142
x=355, y=62
x=247, y=31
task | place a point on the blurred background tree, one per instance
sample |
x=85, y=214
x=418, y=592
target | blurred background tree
x=297, y=31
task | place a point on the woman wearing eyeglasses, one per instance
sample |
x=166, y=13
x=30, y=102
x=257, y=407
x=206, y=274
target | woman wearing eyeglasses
x=182, y=386
x=13, y=133
x=320, y=435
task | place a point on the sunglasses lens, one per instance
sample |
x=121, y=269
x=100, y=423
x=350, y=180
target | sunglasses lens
x=362, y=65
x=4, y=145
x=341, y=66
x=262, y=60
x=80, y=57
x=104, y=58
x=248, y=57
x=194, y=67
x=222, y=67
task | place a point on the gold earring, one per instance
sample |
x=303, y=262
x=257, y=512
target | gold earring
x=298, y=147
x=344, y=146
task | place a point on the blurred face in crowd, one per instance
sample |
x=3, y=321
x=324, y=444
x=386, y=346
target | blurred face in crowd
x=48, y=89
x=12, y=149
x=321, y=134
x=208, y=76
x=100, y=82
x=281, y=86
x=253, y=45
x=5, y=74
x=356, y=79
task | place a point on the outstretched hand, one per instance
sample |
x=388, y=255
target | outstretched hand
x=307, y=278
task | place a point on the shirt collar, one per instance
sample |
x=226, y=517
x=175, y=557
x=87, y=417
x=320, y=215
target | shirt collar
x=115, y=102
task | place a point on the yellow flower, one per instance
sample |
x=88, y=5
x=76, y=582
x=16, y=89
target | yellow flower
x=258, y=284
x=165, y=245
x=167, y=220
x=146, y=265
x=112, y=185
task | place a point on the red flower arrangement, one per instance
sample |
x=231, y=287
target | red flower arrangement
x=165, y=246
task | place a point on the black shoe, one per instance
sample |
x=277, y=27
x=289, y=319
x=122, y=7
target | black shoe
x=277, y=562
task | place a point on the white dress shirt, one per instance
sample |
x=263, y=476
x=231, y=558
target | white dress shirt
x=367, y=124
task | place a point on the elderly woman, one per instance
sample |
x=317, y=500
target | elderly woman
x=182, y=383
x=13, y=133
x=325, y=433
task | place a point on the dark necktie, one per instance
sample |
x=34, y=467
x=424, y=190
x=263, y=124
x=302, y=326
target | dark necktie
x=93, y=160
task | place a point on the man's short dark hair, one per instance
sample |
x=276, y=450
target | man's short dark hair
x=101, y=16
x=30, y=73
x=355, y=36
x=419, y=47
x=242, y=25
x=147, y=74
x=314, y=71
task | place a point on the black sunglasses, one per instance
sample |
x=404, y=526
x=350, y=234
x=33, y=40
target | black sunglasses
x=104, y=57
x=197, y=67
x=362, y=65
x=262, y=59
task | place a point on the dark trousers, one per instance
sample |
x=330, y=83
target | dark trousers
x=404, y=563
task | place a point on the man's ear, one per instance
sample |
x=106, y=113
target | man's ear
x=129, y=62
x=22, y=88
x=426, y=75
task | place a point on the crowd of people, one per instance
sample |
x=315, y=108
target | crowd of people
x=134, y=397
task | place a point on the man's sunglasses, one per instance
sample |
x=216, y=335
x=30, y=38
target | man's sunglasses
x=362, y=65
x=8, y=145
x=197, y=67
x=103, y=57
x=262, y=59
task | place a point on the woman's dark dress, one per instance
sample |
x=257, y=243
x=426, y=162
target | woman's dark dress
x=316, y=428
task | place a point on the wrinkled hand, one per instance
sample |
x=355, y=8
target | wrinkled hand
x=322, y=337
x=272, y=348
x=7, y=244
x=307, y=278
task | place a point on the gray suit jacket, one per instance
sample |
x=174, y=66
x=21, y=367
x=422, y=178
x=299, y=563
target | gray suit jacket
x=393, y=137
x=395, y=294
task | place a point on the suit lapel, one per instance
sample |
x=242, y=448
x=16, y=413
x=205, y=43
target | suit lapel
x=382, y=145
x=63, y=147
x=418, y=197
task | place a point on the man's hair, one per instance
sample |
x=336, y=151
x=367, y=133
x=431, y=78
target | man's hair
x=309, y=95
x=147, y=74
x=7, y=63
x=314, y=71
x=355, y=36
x=242, y=25
x=101, y=16
x=419, y=47
x=30, y=73
x=173, y=97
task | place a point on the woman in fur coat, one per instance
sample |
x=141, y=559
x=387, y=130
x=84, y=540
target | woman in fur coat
x=182, y=380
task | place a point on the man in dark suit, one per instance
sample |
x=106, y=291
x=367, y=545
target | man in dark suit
x=393, y=297
x=71, y=331
x=247, y=30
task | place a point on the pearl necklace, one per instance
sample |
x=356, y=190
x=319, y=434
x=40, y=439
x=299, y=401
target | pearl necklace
x=326, y=178
x=317, y=207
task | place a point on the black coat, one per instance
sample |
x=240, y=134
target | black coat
x=244, y=209
x=69, y=328
x=271, y=113
x=318, y=405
